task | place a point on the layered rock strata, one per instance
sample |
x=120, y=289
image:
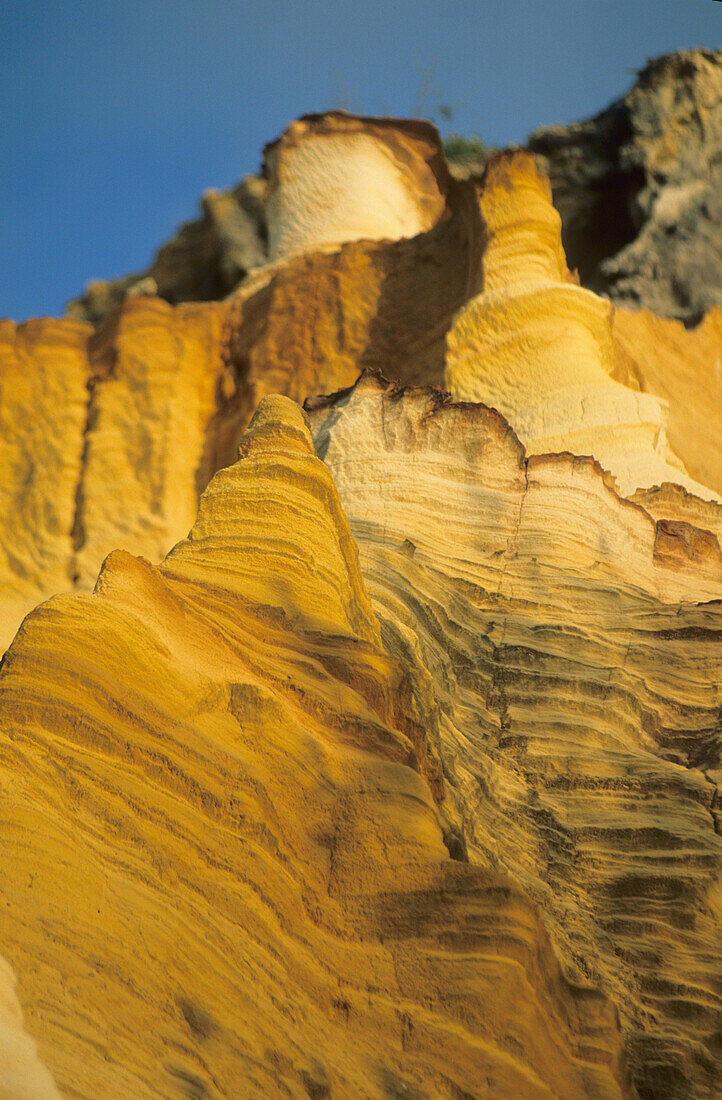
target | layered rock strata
x=399, y=775
x=151, y=403
x=539, y=348
x=310, y=323
x=230, y=871
x=575, y=659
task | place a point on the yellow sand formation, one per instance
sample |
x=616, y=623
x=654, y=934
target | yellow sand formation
x=435, y=821
x=229, y=870
x=684, y=366
x=109, y=436
x=576, y=667
x=104, y=442
x=43, y=397
x=539, y=348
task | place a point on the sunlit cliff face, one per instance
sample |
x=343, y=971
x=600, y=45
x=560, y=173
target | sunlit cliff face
x=398, y=773
x=334, y=181
x=540, y=349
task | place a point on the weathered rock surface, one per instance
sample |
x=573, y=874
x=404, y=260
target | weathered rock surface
x=335, y=178
x=161, y=393
x=22, y=1074
x=156, y=372
x=539, y=348
x=44, y=375
x=328, y=179
x=684, y=366
x=313, y=323
x=639, y=189
x=577, y=673
x=228, y=873
x=107, y=438
x=399, y=775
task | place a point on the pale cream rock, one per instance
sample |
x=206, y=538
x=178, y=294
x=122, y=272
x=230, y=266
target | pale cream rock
x=467, y=461
x=336, y=178
x=22, y=1074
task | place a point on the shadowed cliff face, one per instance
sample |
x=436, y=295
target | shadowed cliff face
x=383, y=759
x=638, y=188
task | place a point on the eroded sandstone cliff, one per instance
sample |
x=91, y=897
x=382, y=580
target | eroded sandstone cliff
x=383, y=758
x=637, y=187
x=230, y=869
x=573, y=645
x=158, y=394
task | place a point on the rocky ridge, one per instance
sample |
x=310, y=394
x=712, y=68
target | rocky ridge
x=398, y=774
x=241, y=785
x=637, y=187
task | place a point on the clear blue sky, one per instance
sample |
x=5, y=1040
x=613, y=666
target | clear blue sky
x=117, y=114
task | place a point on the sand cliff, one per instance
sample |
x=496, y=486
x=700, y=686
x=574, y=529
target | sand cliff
x=369, y=748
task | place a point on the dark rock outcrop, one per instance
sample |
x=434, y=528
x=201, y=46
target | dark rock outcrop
x=639, y=189
x=205, y=260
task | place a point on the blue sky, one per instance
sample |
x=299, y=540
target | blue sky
x=117, y=115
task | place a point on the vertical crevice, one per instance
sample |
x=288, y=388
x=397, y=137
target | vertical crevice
x=102, y=356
